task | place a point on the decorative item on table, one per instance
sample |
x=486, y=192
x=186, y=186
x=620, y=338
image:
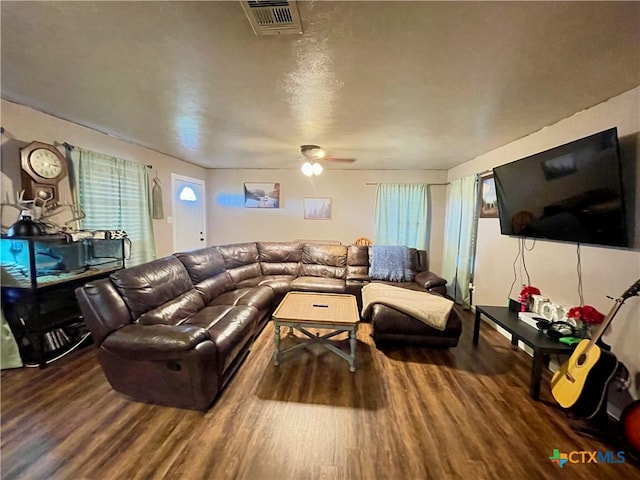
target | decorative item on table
x=537, y=302
x=588, y=316
x=525, y=296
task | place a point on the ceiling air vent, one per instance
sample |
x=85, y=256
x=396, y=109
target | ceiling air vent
x=271, y=17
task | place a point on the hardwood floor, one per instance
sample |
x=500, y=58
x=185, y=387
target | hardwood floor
x=407, y=413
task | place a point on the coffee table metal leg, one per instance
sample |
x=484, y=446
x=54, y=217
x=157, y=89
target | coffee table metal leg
x=276, y=351
x=352, y=344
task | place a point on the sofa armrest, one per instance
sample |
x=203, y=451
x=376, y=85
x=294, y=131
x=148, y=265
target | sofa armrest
x=429, y=280
x=154, y=342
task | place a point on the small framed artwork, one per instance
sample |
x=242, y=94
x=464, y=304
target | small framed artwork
x=262, y=195
x=317, y=208
x=488, y=197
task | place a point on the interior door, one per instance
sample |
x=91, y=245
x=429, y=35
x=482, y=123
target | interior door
x=189, y=224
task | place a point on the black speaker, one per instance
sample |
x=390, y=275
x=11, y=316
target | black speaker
x=514, y=305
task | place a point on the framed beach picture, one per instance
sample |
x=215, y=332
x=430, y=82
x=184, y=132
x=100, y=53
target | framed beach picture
x=488, y=197
x=262, y=195
x=317, y=208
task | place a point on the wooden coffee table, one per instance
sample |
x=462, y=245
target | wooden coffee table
x=329, y=311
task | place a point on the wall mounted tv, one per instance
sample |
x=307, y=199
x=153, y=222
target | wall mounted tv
x=570, y=193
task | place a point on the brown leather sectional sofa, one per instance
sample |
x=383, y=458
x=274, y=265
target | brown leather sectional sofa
x=173, y=331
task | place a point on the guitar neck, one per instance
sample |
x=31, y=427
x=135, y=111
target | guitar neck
x=605, y=323
x=632, y=291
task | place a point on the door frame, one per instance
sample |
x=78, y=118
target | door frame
x=174, y=179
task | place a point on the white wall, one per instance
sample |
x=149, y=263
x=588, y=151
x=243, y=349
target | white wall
x=228, y=221
x=23, y=125
x=353, y=205
x=552, y=265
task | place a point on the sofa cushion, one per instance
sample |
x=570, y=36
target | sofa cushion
x=230, y=328
x=318, y=284
x=103, y=308
x=390, y=325
x=249, y=282
x=174, y=312
x=245, y=272
x=429, y=280
x=147, y=286
x=239, y=254
x=333, y=255
x=154, y=342
x=328, y=261
x=260, y=298
x=279, y=252
x=279, y=258
x=241, y=261
x=280, y=284
x=214, y=286
x=419, y=260
x=358, y=262
x=202, y=264
x=432, y=309
x=283, y=268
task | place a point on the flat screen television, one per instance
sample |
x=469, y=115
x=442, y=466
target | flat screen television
x=570, y=193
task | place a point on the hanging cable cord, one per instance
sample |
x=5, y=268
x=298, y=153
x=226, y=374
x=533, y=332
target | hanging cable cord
x=515, y=271
x=524, y=265
x=579, y=272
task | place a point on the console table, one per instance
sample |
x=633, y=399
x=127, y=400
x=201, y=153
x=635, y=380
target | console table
x=541, y=344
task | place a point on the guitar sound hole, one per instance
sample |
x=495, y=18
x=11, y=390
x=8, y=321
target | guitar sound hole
x=581, y=359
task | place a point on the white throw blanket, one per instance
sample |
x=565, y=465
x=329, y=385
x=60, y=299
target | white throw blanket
x=431, y=309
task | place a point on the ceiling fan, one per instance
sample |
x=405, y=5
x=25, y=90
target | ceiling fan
x=315, y=152
x=313, y=155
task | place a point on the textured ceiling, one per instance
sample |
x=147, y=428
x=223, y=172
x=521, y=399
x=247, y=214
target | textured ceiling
x=395, y=84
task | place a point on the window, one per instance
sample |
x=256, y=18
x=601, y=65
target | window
x=114, y=195
x=188, y=195
x=402, y=215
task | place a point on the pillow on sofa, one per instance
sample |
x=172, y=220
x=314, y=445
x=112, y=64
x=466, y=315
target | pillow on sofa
x=391, y=263
x=429, y=280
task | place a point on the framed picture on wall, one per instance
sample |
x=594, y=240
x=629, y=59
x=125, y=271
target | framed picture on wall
x=488, y=197
x=317, y=208
x=262, y=195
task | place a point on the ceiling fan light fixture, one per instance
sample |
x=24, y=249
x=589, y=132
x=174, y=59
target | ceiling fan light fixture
x=307, y=169
x=317, y=168
x=312, y=152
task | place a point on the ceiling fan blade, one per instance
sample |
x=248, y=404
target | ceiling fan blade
x=337, y=160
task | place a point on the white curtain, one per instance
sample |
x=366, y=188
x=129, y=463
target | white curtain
x=459, y=237
x=402, y=215
x=114, y=194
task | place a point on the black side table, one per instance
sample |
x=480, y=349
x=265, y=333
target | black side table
x=541, y=344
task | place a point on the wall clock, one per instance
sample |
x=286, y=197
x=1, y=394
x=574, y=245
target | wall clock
x=43, y=167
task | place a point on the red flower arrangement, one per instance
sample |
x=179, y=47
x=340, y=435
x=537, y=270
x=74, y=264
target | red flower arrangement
x=586, y=314
x=526, y=293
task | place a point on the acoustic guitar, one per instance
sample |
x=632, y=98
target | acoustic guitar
x=581, y=382
x=630, y=428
